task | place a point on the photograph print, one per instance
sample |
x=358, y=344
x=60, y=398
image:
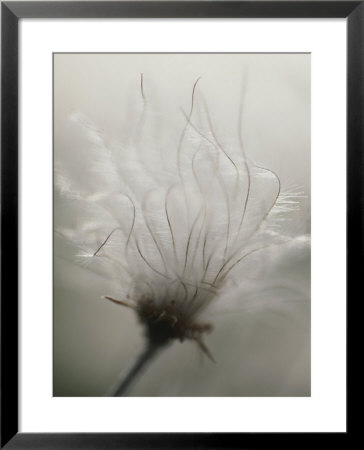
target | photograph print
x=181, y=225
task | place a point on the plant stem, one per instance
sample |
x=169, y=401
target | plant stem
x=127, y=378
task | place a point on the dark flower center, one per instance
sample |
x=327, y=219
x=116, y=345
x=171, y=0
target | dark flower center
x=166, y=322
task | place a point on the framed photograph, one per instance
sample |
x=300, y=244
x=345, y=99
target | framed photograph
x=164, y=166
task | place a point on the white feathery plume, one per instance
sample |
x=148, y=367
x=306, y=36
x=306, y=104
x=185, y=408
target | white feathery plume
x=175, y=222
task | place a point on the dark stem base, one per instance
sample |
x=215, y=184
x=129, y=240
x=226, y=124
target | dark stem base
x=127, y=379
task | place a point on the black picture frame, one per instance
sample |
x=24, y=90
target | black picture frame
x=11, y=13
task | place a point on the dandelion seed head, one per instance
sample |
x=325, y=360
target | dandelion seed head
x=173, y=217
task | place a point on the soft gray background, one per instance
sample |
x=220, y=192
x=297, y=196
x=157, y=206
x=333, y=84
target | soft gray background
x=263, y=351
